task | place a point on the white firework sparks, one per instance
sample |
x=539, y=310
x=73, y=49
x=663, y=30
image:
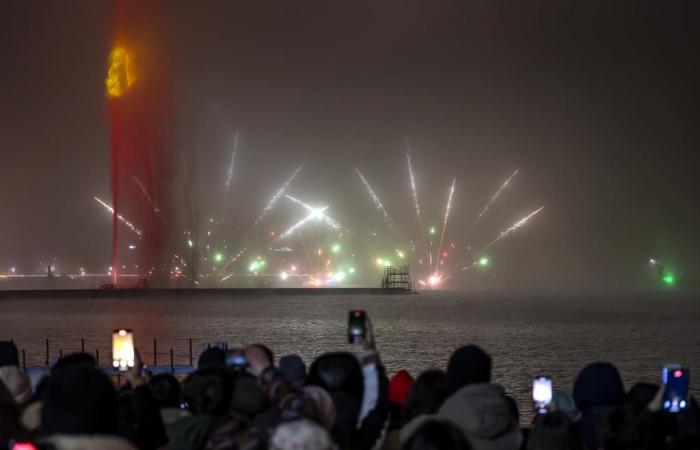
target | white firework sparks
x=414, y=191
x=508, y=231
x=275, y=198
x=317, y=213
x=233, y=260
x=489, y=203
x=121, y=218
x=229, y=174
x=156, y=209
x=377, y=202
x=444, y=223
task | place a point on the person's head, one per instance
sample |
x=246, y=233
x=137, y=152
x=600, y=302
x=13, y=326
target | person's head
x=340, y=374
x=598, y=384
x=165, y=390
x=212, y=357
x=554, y=431
x=325, y=409
x=301, y=435
x=293, y=368
x=209, y=391
x=399, y=387
x=436, y=434
x=468, y=365
x=78, y=359
x=79, y=400
x=268, y=352
x=8, y=354
x=17, y=383
x=427, y=394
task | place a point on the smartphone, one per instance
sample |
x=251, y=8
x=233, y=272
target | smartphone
x=123, y=349
x=356, y=327
x=235, y=359
x=676, y=380
x=542, y=393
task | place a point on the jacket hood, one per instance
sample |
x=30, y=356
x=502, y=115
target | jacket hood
x=598, y=383
x=467, y=365
x=89, y=442
x=17, y=382
x=190, y=433
x=483, y=413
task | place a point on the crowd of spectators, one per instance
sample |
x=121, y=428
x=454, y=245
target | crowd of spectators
x=341, y=401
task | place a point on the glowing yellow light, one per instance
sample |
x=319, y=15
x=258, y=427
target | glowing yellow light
x=120, y=74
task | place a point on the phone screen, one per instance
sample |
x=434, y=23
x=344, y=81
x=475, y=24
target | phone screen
x=542, y=393
x=235, y=359
x=676, y=380
x=356, y=327
x=123, y=349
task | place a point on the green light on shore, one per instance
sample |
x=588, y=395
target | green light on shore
x=484, y=261
x=669, y=279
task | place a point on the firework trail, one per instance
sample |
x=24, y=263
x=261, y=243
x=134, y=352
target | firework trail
x=317, y=213
x=417, y=204
x=489, y=203
x=277, y=196
x=229, y=175
x=234, y=259
x=377, y=202
x=508, y=231
x=156, y=209
x=121, y=218
x=444, y=223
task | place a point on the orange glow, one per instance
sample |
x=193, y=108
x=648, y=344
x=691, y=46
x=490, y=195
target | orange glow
x=120, y=74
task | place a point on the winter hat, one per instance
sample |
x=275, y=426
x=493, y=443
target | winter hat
x=468, y=365
x=8, y=354
x=301, y=435
x=598, y=383
x=79, y=400
x=293, y=369
x=212, y=357
x=17, y=383
x=399, y=387
x=325, y=408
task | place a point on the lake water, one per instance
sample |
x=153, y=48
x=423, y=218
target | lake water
x=526, y=335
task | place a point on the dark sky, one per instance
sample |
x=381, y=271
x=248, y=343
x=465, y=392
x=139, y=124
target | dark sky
x=597, y=103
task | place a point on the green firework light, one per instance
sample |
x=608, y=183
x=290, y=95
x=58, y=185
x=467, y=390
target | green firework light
x=218, y=257
x=484, y=261
x=669, y=279
x=336, y=248
x=190, y=244
x=432, y=230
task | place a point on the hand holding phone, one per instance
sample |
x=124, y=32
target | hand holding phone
x=676, y=380
x=123, y=355
x=357, y=331
x=542, y=394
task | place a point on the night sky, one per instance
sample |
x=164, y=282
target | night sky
x=597, y=103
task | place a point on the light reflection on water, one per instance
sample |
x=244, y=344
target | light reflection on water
x=525, y=335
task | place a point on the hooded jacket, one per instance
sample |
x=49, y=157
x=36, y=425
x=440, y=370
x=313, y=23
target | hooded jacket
x=482, y=412
x=598, y=390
